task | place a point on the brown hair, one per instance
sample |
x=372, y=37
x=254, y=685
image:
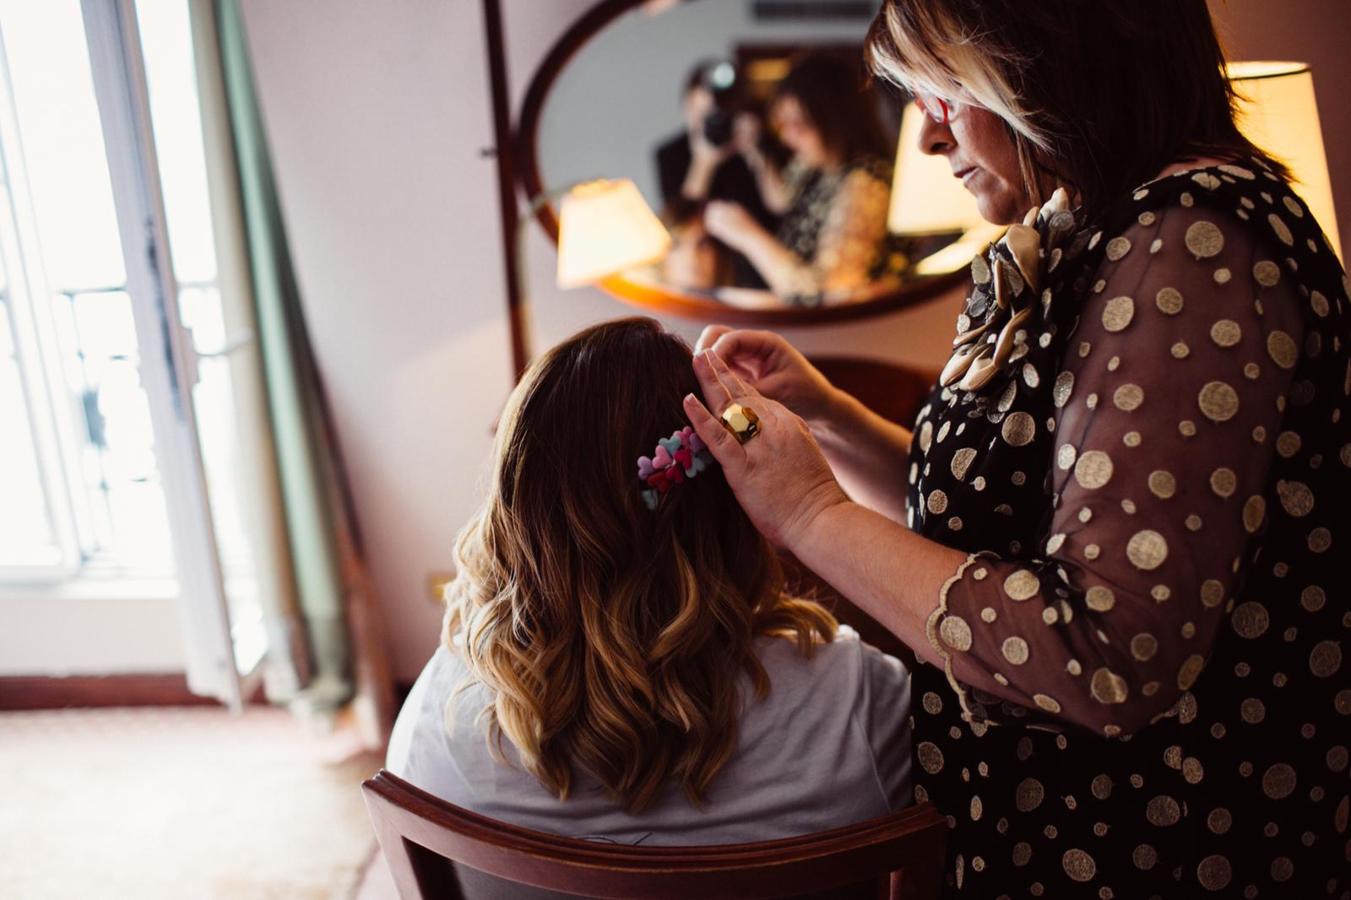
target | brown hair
x=838, y=103
x=1099, y=94
x=611, y=636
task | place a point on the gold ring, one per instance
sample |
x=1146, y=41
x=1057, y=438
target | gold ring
x=741, y=421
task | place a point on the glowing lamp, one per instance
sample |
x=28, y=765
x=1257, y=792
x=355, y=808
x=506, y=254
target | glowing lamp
x=1277, y=112
x=604, y=227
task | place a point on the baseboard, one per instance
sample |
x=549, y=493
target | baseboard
x=26, y=692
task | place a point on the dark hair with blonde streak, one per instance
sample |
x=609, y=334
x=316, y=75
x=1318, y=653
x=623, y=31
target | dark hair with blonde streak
x=613, y=637
x=1101, y=95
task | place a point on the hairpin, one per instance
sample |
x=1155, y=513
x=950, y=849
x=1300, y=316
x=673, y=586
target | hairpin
x=680, y=456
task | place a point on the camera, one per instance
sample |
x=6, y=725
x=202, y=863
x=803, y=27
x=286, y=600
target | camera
x=722, y=82
x=718, y=128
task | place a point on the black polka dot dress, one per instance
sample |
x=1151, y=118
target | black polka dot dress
x=1142, y=441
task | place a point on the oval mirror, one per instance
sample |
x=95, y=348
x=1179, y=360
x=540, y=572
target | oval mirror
x=745, y=126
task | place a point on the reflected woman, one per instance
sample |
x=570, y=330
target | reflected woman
x=833, y=194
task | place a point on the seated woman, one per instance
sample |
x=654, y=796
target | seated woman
x=833, y=194
x=619, y=659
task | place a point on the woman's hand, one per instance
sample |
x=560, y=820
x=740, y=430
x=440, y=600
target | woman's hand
x=730, y=223
x=746, y=136
x=862, y=448
x=773, y=367
x=779, y=476
x=705, y=158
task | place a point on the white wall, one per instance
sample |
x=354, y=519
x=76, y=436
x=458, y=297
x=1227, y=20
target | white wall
x=376, y=115
x=91, y=628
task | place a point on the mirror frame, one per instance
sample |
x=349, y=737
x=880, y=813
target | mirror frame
x=671, y=300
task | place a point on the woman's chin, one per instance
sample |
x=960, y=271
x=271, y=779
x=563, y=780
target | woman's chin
x=997, y=208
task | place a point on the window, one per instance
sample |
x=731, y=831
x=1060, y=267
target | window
x=116, y=386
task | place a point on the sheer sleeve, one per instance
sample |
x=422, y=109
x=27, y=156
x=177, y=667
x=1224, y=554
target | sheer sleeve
x=854, y=228
x=1168, y=412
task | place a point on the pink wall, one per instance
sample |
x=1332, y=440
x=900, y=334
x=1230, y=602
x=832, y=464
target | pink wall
x=1317, y=32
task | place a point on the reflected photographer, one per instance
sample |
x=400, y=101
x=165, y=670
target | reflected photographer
x=711, y=158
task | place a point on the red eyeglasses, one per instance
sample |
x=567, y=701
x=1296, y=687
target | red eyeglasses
x=940, y=110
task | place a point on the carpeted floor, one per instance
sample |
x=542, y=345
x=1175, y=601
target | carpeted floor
x=180, y=803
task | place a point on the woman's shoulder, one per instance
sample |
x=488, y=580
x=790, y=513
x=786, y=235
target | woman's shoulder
x=1248, y=200
x=1248, y=189
x=845, y=666
x=423, y=716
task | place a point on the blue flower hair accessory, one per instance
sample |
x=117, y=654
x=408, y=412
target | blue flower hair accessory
x=682, y=455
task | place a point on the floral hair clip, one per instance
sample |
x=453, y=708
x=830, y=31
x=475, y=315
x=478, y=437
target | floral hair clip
x=680, y=456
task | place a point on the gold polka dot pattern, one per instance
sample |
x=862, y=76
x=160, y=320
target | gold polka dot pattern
x=1169, y=301
x=1118, y=313
x=1218, y=401
x=1226, y=333
x=1204, y=240
x=1160, y=547
x=1128, y=397
x=1093, y=470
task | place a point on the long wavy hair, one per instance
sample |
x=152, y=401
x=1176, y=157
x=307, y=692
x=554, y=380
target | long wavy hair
x=612, y=637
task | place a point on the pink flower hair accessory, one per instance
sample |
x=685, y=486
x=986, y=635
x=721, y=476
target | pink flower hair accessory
x=682, y=455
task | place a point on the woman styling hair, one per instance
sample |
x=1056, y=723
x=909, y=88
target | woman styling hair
x=1114, y=531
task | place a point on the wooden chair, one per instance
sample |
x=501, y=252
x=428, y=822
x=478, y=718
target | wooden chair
x=438, y=850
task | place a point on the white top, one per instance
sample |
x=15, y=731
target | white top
x=829, y=746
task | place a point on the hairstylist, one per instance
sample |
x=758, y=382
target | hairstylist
x=1115, y=532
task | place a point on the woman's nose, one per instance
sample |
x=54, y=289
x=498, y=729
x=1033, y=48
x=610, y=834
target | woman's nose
x=934, y=139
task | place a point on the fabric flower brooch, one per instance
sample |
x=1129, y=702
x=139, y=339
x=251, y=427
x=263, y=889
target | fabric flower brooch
x=678, y=457
x=991, y=331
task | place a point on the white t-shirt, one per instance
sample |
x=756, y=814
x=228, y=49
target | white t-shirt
x=829, y=746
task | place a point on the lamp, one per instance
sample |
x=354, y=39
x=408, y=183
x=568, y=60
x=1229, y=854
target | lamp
x=1277, y=111
x=604, y=227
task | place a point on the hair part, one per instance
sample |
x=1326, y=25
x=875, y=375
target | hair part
x=610, y=636
x=1099, y=95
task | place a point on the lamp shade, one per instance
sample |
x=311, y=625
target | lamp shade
x=925, y=198
x=1278, y=112
x=604, y=227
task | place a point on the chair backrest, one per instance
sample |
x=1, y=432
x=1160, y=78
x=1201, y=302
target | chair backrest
x=895, y=392
x=435, y=850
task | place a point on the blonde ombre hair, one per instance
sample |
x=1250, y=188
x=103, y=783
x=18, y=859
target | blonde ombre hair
x=925, y=47
x=1099, y=96
x=613, y=638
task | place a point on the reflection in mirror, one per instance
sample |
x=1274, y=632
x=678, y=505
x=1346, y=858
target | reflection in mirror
x=754, y=138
